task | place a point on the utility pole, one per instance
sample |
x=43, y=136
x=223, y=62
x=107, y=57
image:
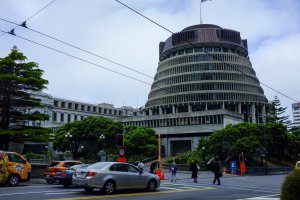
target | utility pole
x=266, y=151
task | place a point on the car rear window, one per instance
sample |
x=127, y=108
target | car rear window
x=53, y=164
x=298, y=164
x=98, y=165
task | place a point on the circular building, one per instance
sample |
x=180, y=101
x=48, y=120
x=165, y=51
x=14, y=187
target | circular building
x=204, y=81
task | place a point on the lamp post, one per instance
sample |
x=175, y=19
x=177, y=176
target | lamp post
x=101, y=152
x=69, y=136
x=203, y=152
x=101, y=139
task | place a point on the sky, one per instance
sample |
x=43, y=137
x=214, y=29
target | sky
x=110, y=30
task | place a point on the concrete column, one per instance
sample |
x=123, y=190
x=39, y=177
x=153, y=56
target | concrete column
x=150, y=112
x=72, y=117
x=160, y=110
x=223, y=105
x=240, y=108
x=189, y=108
x=253, y=113
x=206, y=106
x=173, y=109
x=263, y=113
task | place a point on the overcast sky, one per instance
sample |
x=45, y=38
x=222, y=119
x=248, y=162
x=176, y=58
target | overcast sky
x=108, y=29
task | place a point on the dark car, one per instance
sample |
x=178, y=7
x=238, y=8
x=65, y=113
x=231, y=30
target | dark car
x=65, y=177
x=58, y=166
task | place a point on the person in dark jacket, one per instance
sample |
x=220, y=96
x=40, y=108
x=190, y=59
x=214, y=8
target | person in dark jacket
x=194, y=170
x=173, y=172
x=153, y=167
x=216, y=168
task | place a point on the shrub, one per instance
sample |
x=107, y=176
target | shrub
x=290, y=189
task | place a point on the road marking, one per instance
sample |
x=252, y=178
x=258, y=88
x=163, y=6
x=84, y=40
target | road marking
x=267, y=197
x=49, y=191
x=133, y=194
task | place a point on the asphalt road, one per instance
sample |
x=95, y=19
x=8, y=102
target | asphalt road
x=232, y=187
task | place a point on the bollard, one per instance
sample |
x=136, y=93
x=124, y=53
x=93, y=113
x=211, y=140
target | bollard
x=225, y=170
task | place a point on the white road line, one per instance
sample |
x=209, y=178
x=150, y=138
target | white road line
x=170, y=188
x=38, y=192
x=55, y=193
x=267, y=197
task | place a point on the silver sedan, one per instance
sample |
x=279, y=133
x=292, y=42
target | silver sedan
x=110, y=176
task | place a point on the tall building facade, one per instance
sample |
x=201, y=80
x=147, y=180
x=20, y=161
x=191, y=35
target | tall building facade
x=204, y=81
x=296, y=114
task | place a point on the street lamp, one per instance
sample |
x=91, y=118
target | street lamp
x=101, y=152
x=69, y=136
x=203, y=153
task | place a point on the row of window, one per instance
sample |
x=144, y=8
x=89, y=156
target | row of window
x=205, y=86
x=204, y=57
x=206, y=97
x=185, y=121
x=88, y=108
x=61, y=117
x=203, y=49
x=203, y=67
x=204, y=76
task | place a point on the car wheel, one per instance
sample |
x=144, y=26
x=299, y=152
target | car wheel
x=88, y=189
x=13, y=180
x=109, y=187
x=50, y=181
x=151, y=187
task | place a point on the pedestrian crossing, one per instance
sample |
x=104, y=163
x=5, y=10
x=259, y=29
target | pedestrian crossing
x=184, y=187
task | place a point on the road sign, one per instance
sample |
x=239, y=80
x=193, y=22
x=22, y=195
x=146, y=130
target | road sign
x=121, y=152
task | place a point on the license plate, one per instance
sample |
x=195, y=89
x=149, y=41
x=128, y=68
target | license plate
x=80, y=174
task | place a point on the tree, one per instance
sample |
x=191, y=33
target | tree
x=276, y=112
x=140, y=142
x=86, y=133
x=17, y=79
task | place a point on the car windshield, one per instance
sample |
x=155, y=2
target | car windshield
x=98, y=165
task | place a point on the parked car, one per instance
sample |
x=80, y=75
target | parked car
x=58, y=166
x=111, y=176
x=14, y=168
x=297, y=166
x=65, y=177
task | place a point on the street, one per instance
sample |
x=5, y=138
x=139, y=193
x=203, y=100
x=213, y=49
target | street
x=232, y=187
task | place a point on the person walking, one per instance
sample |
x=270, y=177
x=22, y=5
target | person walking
x=153, y=167
x=173, y=172
x=194, y=169
x=216, y=168
x=141, y=165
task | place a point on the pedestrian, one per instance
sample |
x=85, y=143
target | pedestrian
x=173, y=172
x=141, y=165
x=216, y=168
x=153, y=167
x=194, y=169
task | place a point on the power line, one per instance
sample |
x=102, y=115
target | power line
x=78, y=48
x=24, y=23
x=78, y=58
x=163, y=27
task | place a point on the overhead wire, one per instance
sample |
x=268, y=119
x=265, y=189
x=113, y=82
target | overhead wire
x=78, y=58
x=78, y=48
x=24, y=22
x=163, y=27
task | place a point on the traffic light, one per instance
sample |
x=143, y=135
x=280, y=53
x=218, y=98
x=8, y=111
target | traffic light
x=163, y=150
x=119, y=140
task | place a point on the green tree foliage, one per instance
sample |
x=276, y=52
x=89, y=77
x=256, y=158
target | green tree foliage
x=17, y=79
x=276, y=112
x=86, y=133
x=140, y=142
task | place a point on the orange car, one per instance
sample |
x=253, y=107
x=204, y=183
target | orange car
x=58, y=166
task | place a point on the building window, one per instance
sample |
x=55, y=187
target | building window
x=105, y=110
x=69, y=118
x=100, y=110
x=82, y=107
x=54, y=116
x=94, y=109
x=63, y=104
x=75, y=117
x=62, y=116
x=55, y=103
x=89, y=108
x=76, y=106
x=70, y=105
